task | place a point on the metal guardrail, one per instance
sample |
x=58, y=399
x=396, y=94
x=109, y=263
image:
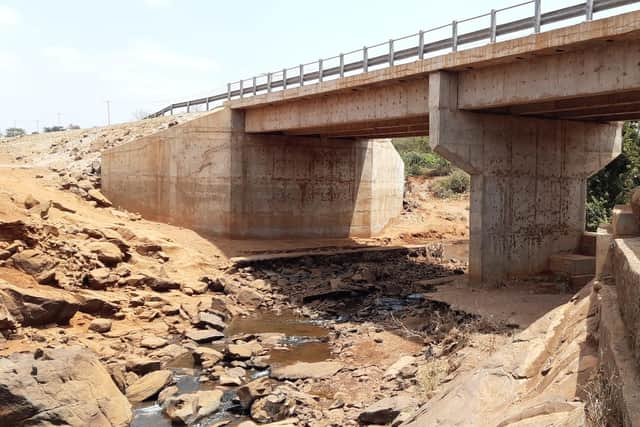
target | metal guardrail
x=297, y=76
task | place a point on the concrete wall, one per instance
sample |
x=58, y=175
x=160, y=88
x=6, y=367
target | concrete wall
x=528, y=180
x=209, y=175
x=626, y=270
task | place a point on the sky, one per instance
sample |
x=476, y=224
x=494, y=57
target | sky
x=61, y=61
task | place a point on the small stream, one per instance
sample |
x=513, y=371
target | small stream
x=302, y=341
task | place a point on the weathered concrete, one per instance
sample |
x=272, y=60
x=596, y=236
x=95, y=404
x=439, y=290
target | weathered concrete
x=211, y=176
x=626, y=271
x=528, y=179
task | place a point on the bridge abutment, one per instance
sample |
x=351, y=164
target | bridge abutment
x=528, y=179
x=208, y=174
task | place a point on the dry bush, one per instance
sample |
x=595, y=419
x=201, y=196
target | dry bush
x=602, y=397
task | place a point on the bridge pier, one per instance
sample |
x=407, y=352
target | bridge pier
x=528, y=179
x=208, y=174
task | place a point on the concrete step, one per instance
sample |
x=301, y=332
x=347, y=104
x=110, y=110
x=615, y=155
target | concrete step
x=573, y=264
x=588, y=243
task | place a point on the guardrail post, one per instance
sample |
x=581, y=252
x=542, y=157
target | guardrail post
x=365, y=59
x=341, y=65
x=391, y=52
x=493, y=26
x=171, y=110
x=301, y=75
x=228, y=91
x=284, y=78
x=188, y=106
x=320, y=70
x=454, y=36
x=241, y=88
x=589, y=10
x=537, y=16
x=421, y=45
x=207, y=103
x=255, y=89
x=269, y=83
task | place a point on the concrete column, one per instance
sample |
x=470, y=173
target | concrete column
x=528, y=180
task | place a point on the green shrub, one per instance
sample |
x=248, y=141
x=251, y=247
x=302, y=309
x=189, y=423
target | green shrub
x=597, y=212
x=457, y=183
x=417, y=163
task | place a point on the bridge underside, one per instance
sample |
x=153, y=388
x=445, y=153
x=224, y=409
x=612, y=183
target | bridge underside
x=530, y=119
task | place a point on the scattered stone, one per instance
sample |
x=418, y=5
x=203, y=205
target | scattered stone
x=142, y=366
x=100, y=278
x=153, y=342
x=214, y=284
x=30, y=202
x=204, y=336
x=208, y=319
x=401, y=363
x=46, y=390
x=32, y=261
x=108, y=253
x=99, y=198
x=148, y=386
x=302, y=370
x=249, y=297
x=243, y=350
x=386, y=410
x=272, y=408
x=167, y=393
x=253, y=390
x=100, y=325
x=191, y=288
x=190, y=407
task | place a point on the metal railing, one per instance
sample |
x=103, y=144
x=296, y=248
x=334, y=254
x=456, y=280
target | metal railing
x=297, y=76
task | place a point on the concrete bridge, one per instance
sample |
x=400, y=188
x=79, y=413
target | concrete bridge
x=529, y=118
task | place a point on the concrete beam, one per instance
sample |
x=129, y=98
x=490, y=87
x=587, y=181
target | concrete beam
x=598, y=70
x=400, y=103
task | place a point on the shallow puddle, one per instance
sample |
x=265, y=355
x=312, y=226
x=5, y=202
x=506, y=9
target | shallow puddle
x=303, y=341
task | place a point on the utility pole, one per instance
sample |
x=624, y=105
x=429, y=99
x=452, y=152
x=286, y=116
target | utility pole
x=108, y=112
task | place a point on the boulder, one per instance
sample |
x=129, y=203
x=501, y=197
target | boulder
x=30, y=201
x=97, y=303
x=100, y=278
x=253, y=390
x=38, y=305
x=302, y=370
x=190, y=407
x=142, y=365
x=384, y=411
x=149, y=385
x=45, y=391
x=32, y=261
x=10, y=231
x=100, y=325
x=108, y=253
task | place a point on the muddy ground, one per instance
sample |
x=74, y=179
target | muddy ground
x=203, y=331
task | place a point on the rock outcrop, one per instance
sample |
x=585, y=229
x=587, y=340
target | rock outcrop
x=44, y=389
